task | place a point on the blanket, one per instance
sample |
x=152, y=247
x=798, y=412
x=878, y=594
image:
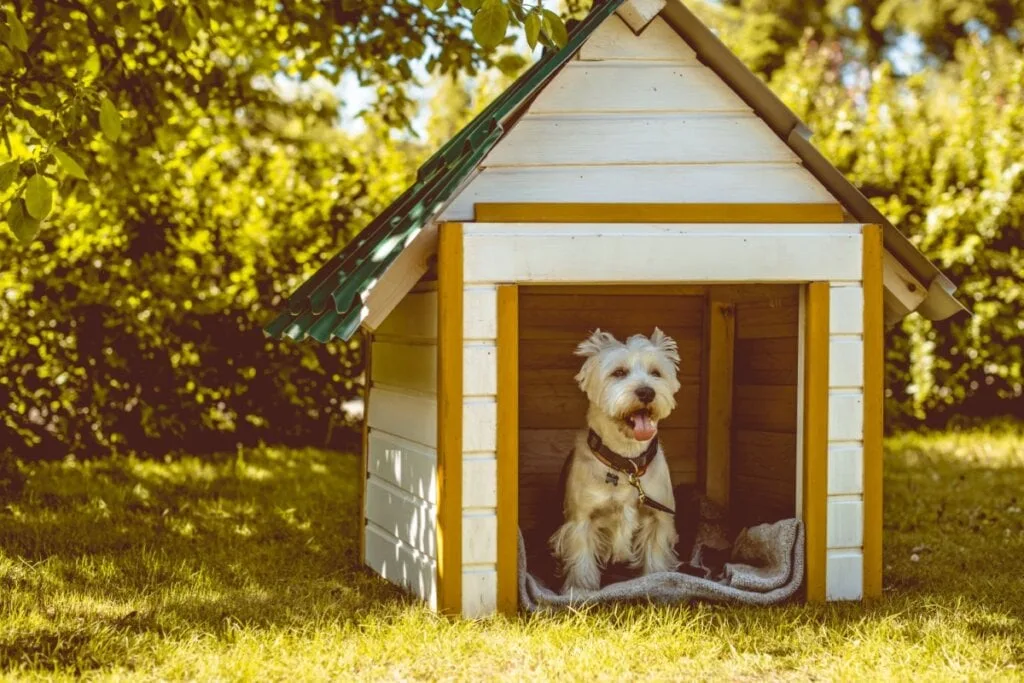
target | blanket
x=765, y=567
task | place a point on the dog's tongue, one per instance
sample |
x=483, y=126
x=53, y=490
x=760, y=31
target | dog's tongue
x=643, y=427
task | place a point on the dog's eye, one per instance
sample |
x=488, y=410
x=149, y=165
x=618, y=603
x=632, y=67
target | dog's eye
x=620, y=372
x=655, y=373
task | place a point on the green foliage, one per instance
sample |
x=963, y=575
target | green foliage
x=939, y=154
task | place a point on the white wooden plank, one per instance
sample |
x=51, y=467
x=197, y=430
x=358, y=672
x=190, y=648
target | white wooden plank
x=411, y=520
x=634, y=184
x=845, y=469
x=638, y=139
x=400, y=278
x=415, y=317
x=409, y=466
x=636, y=87
x=479, y=593
x=846, y=362
x=479, y=538
x=844, y=575
x=479, y=425
x=845, y=526
x=638, y=13
x=658, y=253
x=410, y=416
x=405, y=366
x=480, y=313
x=615, y=40
x=401, y=564
x=480, y=369
x=480, y=482
x=846, y=310
x=845, y=415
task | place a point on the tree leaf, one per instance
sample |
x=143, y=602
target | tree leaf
x=18, y=37
x=24, y=226
x=490, y=24
x=8, y=172
x=38, y=197
x=532, y=26
x=554, y=28
x=110, y=120
x=70, y=166
x=434, y=5
x=471, y=5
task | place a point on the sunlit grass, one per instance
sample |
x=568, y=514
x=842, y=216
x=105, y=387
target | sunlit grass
x=242, y=567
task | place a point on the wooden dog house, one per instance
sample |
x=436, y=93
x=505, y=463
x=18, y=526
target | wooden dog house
x=640, y=176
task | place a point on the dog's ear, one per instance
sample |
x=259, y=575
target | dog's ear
x=596, y=343
x=666, y=345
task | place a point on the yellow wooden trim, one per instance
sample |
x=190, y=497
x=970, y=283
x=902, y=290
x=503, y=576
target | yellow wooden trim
x=815, y=494
x=508, y=449
x=449, y=419
x=551, y=212
x=874, y=388
x=364, y=460
x=721, y=330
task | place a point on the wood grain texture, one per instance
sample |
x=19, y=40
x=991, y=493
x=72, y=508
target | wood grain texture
x=404, y=464
x=638, y=13
x=614, y=40
x=874, y=388
x=409, y=415
x=401, y=564
x=411, y=520
x=815, y=437
x=508, y=450
x=449, y=418
x=721, y=330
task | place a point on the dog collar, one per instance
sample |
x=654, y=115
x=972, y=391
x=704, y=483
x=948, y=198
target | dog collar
x=637, y=465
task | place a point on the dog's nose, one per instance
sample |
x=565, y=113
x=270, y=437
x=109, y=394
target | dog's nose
x=645, y=394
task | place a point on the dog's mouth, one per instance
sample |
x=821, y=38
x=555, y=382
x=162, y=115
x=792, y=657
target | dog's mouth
x=641, y=424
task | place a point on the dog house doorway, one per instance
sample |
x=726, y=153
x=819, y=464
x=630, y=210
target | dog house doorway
x=744, y=370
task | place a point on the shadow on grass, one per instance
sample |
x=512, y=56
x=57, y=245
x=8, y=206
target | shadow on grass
x=100, y=562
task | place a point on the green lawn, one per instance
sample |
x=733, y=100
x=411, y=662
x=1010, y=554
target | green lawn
x=243, y=567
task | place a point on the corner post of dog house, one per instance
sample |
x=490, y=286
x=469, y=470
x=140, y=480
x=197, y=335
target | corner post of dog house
x=720, y=345
x=449, y=418
x=815, y=436
x=508, y=449
x=364, y=460
x=874, y=413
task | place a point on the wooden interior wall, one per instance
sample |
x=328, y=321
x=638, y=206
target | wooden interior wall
x=552, y=321
x=764, y=442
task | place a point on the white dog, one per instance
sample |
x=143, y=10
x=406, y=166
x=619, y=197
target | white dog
x=618, y=492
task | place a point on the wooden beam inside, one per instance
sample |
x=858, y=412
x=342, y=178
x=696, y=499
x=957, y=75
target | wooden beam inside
x=721, y=330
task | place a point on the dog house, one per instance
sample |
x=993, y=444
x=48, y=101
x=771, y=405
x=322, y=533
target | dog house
x=638, y=177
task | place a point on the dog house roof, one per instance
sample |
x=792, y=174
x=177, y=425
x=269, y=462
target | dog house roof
x=331, y=304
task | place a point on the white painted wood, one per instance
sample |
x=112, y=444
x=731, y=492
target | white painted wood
x=615, y=40
x=658, y=253
x=410, y=416
x=846, y=362
x=844, y=575
x=845, y=526
x=846, y=310
x=479, y=425
x=480, y=313
x=638, y=13
x=635, y=184
x=567, y=140
x=801, y=342
x=480, y=369
x=411, y=520
x=401, y=564
x=409, y=466
x=405, y=366
x=636, y=87
x=479, y=592
x=845, y=469
x=845, y=415
x=480, y=481
x=414, y=318
x=901, y=284
x=399, y=279
x=480, y=538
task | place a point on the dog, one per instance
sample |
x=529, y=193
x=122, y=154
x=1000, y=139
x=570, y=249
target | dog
x=618, y=490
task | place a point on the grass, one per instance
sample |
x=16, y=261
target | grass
x=243, y=567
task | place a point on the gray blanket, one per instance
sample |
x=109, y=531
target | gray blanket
x=766, y=567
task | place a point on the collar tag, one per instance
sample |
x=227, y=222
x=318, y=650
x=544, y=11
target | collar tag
x=611, y=478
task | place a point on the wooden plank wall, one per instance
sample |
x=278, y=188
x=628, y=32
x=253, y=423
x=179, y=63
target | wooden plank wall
x=553, y=320
x=764, y=446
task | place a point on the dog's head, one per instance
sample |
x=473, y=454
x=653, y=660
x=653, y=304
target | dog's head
x=632, y=383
